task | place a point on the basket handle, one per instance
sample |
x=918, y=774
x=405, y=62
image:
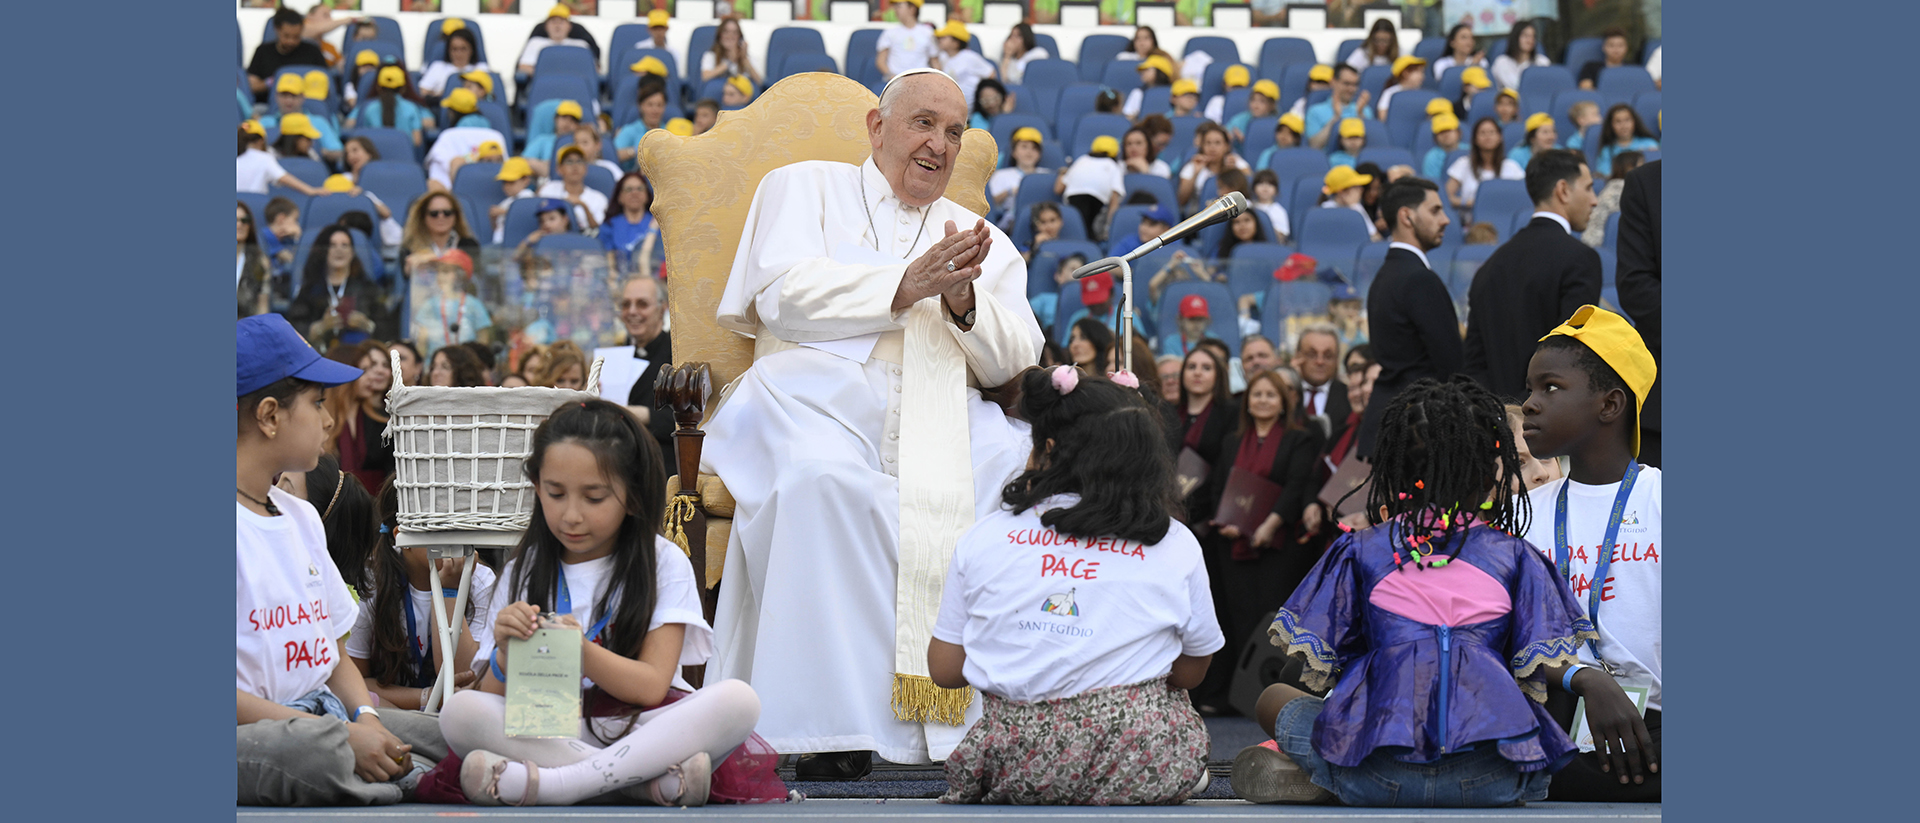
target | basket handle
x=593, y=376
x=394, y=355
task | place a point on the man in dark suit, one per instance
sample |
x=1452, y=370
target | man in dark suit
x=1413, y=328
x=643, y=308
x=1537, y=279
x=1316, y=357
x=1639, y=275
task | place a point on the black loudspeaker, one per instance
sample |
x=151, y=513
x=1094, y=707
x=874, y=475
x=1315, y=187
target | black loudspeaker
x=1262, y=664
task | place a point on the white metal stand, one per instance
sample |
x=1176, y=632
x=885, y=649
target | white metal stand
x=442, y=545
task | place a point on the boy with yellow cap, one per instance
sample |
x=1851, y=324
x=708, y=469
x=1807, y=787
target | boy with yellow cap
x=1319, y=77
x=1409, y=73
x=389, y=110
x=1027, y=142
x=1506, y=107
x=1155, y=71
x=1473, y=80
x=1093, y=181
x=556, y=30
x=1446, y=138
x=1288, y=132
x=1601, y=528
x=566, y=118
x=1343, y=189
x=964, y=65
x=290, y=97
x=1263, y=102
x=478, y=82
x=906, y=46
x=1235, y=77
x=657, y=21
x=1184, y=97
x=1353, y=139
x=516, y=182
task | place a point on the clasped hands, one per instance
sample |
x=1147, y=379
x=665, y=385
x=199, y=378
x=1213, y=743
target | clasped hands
x=947, y=269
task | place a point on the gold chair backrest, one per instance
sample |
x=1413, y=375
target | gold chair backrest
x=704, y=185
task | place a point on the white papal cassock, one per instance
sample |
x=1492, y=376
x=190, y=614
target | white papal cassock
x=813, y=444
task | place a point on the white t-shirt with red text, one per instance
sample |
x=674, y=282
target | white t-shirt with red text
x=291, y=607
x=1630, y=599
x=1045, y=616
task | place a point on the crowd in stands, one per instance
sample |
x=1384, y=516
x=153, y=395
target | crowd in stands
x=466, y=213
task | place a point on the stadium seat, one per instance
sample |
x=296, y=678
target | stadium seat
x=1590, y=142
x=1499, y=200
x=1466, y=262
x=324, y=210
x=790, y=40
x=1251, y=275
x=1040, y=40
x=1449, y=84
x=1039, y=282
x=1303, y=195
x=1609, y=263
x=1407, y=116
x=1430, y=49
x=1072, y=103
x=1583, y=50
x=1004, y=125
x=1259, y=138
x=1613, y=231
x=1045, y=80
x=1621, y=84
x=1647, y=105
x=1213, y=81
x=623, y=82
x=1514, y=134
x=395, y=182
x=628, y=36
x=1071, y=227
x=1126, y=220
x=475, y=181
x=1297, y=298
x=1482, y=109
x=1095, y=125
x=1120, y=75
x=1374, y=80
x=1096, y=50
x=1386, y=157
x=1270, y=255
x=1180, y=146
x=1538, y=85
x=802, y=62
x=523, y=216
x=1160, y=188
x=1367, y=264
x=1277, y=53
x=393, y=144
x=1235, y=103
x=1223, y=49
x=310, y=171
x=290, y=195
x=1221, y=308
x=698, y=44
x=861, y=47
x=1156, y=100
x=1345, y=50
x=1293, y=82
x=1034, y=188
x=601, y=180
x=562, y=86
x=1326, y=226
x=501, y=120
x=1520, y=221
x=477, y=220
x=1022, y=101
x=563, y=60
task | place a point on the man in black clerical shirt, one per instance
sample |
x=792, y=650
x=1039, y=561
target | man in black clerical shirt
x=643, y=308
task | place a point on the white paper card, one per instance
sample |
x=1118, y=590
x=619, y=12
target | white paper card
x=1583, y=736
x=619, y=370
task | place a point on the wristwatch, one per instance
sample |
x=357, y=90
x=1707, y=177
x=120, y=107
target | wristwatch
x=965, y=319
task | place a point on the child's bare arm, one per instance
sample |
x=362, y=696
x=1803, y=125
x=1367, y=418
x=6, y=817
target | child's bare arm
x=1188, y=671
x=945, y=662
x=641, y=682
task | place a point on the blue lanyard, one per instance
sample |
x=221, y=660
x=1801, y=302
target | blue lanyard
x=1562, y=550
x=413, y=643
x=565, y=606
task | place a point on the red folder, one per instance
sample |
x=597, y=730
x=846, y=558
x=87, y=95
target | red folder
x=1248, y=500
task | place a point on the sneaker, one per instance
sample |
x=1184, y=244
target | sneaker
x=1266, y=775
x=696, y=781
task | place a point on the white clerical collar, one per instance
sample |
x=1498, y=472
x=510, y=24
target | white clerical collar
x=879, y=189
x=1412, y=248
x=1555, y=218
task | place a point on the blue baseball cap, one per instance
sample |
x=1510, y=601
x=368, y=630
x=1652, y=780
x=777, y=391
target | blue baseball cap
x=1342, y=291
x=269, y=350
x=548, y=204
x=1158, y=214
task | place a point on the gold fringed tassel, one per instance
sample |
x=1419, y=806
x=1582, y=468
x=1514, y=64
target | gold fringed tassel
x=680, y=512
x=918, y=700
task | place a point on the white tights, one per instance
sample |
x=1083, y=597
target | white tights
x=716, y=719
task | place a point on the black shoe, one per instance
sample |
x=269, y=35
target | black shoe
x=833, y=766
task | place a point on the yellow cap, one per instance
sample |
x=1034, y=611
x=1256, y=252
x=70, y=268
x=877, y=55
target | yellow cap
x=680, y=126
x=742, y=85
x=482, y=78
x=649, y=65
x=1401, y=65
x=1439, y=105
x=290, y=84
x=1320, y=74
x=489, y=149
x=253, y=127
x=392, y=77
x=1476, y=77
x=1445, y=121
x=460, y=100
x=451, y=25
x=1185, y=86
x=1268, y=89
x=338, y=183
x=1513, y=93
x=1029, y=134
x=366, y=57
x=1538, y=119
x=298, y=124
x=1352, y=127
x=1293, y=121
x=1619, y=346
x=514, y=169
x=569, y=149
x=954, y=29
x=1157, y=62
x=1342, y=178
x=1236, y=76
x=658, y=18
x=1105, y=146
x=316, y=85
x=568, y=108
x=916, y=3
x=560, y=10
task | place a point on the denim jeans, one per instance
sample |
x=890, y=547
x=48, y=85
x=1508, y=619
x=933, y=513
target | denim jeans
x=1478, y=778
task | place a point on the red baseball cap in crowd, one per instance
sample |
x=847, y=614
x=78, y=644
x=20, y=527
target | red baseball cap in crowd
x=1193, y=305
x=459, y=258
x=1096, y=289
x=1297, y=266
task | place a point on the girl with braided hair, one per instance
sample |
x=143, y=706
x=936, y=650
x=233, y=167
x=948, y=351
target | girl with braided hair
x=1436, y=631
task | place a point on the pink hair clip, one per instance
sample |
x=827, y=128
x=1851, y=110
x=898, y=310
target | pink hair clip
x=1125, y=378
x=1065, y=378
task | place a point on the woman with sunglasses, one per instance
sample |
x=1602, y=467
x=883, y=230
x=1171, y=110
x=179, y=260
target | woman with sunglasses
x=435, y=225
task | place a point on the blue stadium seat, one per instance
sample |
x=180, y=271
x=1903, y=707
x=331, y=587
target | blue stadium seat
x=1004, y=125
x=290, y=195
x=789, y=40
x=1482, y=108
x=1466, y=263
x=1325, y=226
x=1538, y=85
x=1120, y=75
x=1514, y=134
x=802, y=62
x=1235, y=103
x=1034, y=188
x=1583, y=50
x=627, y=36
x=1386, y=157
x=523, y=216
x=1613, y=231
x=1161, y=188
x=601, y=180
x=1296, y=298
x=1449, y=85
x=1045, y=79
x=1022, y=101
x=562, y=86
x=1590, y=142
x=1303, y=195
x=1647, y=105
x=1345, y=50
x=1277, y=53
x=501, y=120
x=1293, y=82
x=623, y=82
x=1095, y=125
x=393, y=144
x=1621, y=84
x=1430, y=49
x=1259, y=138
x=1374, y=80
x=1071, y=103
x=567, y=244
x=1499, y=200
x=324, y=210
x=1039, y=282
x=1223, y=49
x=395, y=182
x=1042, y=40
x=1096, y=50
x=861, y=46
x=1181, y=146
x=475, y=181
x=1407, y=116
x=435, y=47
x=1367, y=264
x=1270, y=255
x=701, y=42
x=1648, y=48
x=564, y=60
x=310, y=171
x=1520, y=221
x=1156, y=100
x=1214, y=80
x=1609, y=263
x=1071, y=227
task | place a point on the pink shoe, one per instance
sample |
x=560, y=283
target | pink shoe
x=696, y=780
x=480, y=779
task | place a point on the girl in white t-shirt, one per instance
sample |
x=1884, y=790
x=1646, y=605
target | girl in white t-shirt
x=591, y=559
x=255, y=169
x=1081, y=612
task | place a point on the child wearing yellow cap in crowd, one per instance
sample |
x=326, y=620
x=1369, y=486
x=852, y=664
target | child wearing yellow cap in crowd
x=1446, y=138
x=657, y=21
x=1184, y=97
x=539, y=148
x=1027, y=142
x=516, y=180
x=556, y=31
x=1506, y=107
x=652, y=98
x=290, y=97
x=1155, y=71
x=1288, y=132
x=906, y=46
x=1235, y=77
x=736, y=93
x=1262, y=102
x=706, y=112
x=1093, y=181
x=256, y=169
x=463, y=110
x=569, y=183
x=1473, y=80
x=297, y=134
x=1587, y=381
x=461, y=57
x=393, y=106
x=1353, y=139
x=1409, y=73
x=963, y=64
x=1319, y=78
x=1343, y=189
x=1541, y=136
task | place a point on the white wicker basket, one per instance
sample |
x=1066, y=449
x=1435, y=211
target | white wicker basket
x=458, y=452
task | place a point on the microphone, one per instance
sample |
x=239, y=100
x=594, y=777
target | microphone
x=1225, y=208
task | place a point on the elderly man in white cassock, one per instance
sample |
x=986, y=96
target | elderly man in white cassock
x=858, y=447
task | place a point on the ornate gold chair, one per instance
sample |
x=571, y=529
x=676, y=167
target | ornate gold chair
x=703, y=187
